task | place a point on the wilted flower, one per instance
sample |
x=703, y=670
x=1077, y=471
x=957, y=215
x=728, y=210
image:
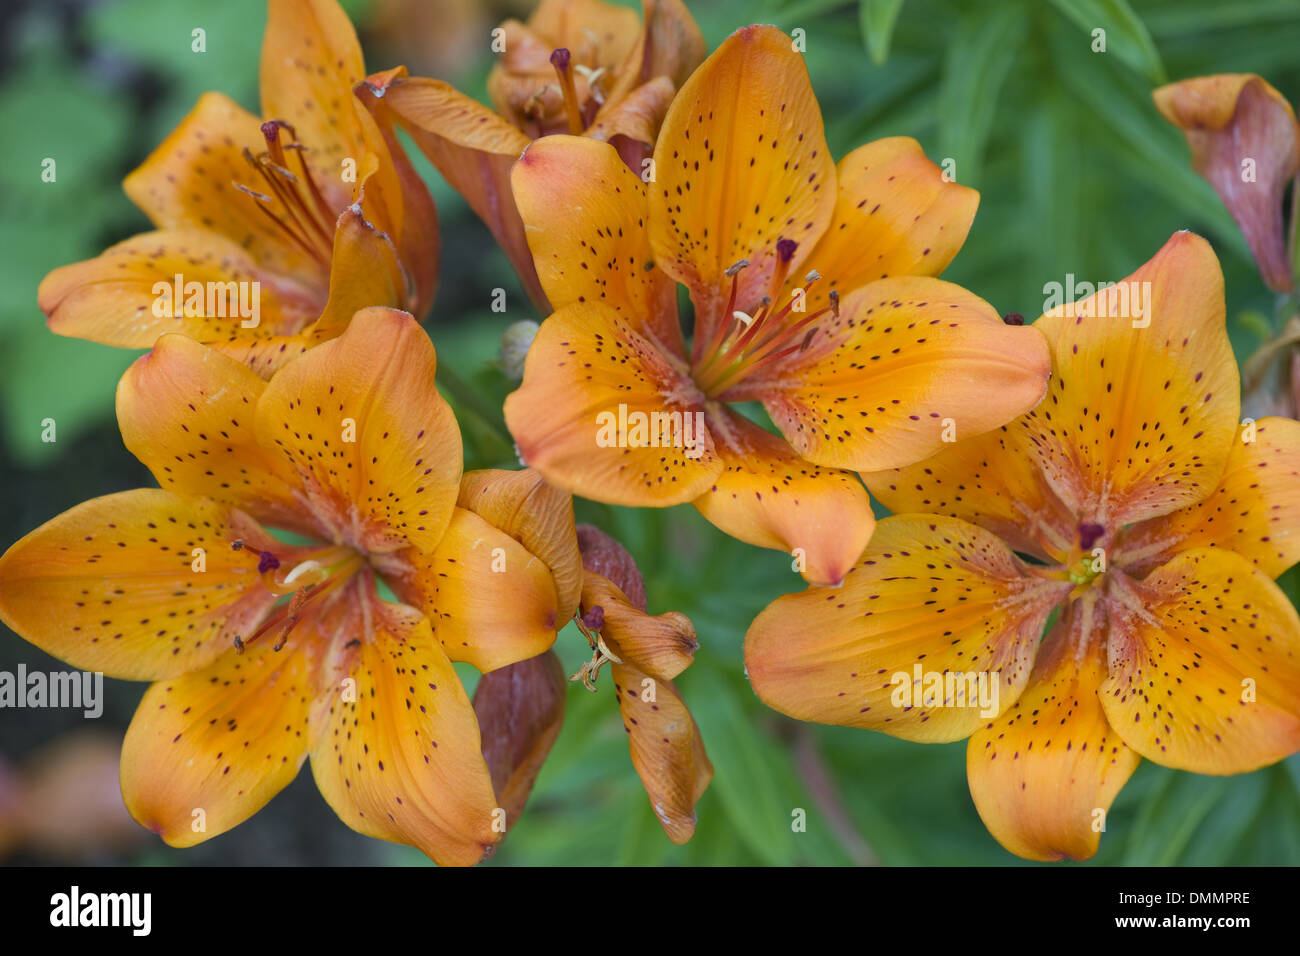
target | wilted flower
x=644, y=652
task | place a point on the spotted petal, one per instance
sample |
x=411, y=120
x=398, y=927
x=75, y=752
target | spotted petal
x=1255, y=511
x=373, y=446
x=667, y=749
x=933, y=603
x=1204, y=665
x=769, y=496
x=491, y=601
x=1043, y=774
x=1143, y=402
x=604, y=414
x=141, y=585
x=896, y=214
x=187, y=412
x=208, y=749
x=584, y=214
x=394, y=743
x=910, y=364
x=741, y=163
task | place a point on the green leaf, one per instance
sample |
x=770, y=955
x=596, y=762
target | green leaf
x=751, y=775
x=1174, y=814
x=976, y=66
x=1125, y=33
x=878, y=19
x=78, y=396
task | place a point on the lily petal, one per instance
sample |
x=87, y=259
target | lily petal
x=220, y=741
x=660, y=646
x=1230, y=120
x=933, y=603
x=409, y=214
x=741, y=163
x=585, y=213
x=637, y=116
x=587, y=371
x=908, y=361
x=1042, y=772
x=375, y=448
x=187, y=412
x=1143, y=402
x=177, y=192
x=667, y=749
x=537, y=515
x=491, y=602
x=1204, y=660
x=670, y=45
x=395, y=745
x=473, y=148
x=767, y=495
x=117, y=297
x=990, y=480
x=1255, y=511
x=895, y=215
x=114, y=585
x=310, y=61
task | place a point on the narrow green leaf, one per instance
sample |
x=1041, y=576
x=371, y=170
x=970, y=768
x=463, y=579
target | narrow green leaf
x=747, y=769
x=878, y=18
x=1124, y=33
x=975, y=68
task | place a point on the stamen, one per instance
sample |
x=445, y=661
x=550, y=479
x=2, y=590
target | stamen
x=1089, y=534
x=308, y=582
x=572, y=109
x=785, y=250
x=593, y=78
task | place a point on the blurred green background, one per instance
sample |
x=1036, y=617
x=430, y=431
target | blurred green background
x=1078, y=174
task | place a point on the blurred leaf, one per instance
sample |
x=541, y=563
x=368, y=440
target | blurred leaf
x=976, y=66
x=1125, y=34
x=1173, y=814
x=77, y=397
x=878, y=19
x=751, y=775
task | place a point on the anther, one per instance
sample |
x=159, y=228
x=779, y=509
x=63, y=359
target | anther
x=1089, y=534
x=572, y=111
x=1013, y=318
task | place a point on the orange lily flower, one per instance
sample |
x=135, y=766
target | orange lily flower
x=579, y=66
x=865, y=366
x=1153, y=524
x=264, y=653
x=1246, y=144
x=644, y=652
x=270, y=235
